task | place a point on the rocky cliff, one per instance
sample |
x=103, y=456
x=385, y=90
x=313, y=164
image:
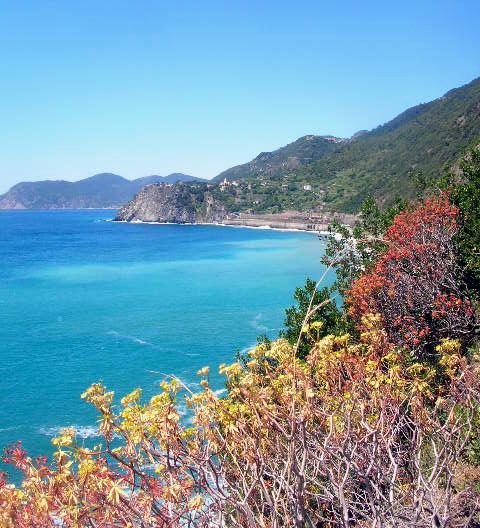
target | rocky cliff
x=180, y=203
x=194, y=203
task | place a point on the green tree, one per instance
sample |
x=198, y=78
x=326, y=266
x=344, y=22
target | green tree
x=351, y=251
x=466, y=196
x=331, y=316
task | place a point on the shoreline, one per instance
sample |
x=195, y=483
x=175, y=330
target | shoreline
x=267, y=227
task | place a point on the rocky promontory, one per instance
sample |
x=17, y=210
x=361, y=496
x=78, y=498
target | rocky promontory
x=167, y=203
x=196, y=204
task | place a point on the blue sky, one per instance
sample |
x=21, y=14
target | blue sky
x=153, y=87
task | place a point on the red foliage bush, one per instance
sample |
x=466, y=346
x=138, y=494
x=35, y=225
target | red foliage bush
x=416, y=285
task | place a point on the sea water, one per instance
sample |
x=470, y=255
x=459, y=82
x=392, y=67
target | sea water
x=85, y=300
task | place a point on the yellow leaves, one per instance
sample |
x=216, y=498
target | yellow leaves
x=317, y=325
x=63, y=460
x=20, y=494
x=231, y=428
x=327, y=352
x=391, y=359
x=133, y=397
x=344, y=387
x=448, y=346
x=98, y=396
x=165, y=386
x=205, y=371
x=86, y=467
x=259, y=351
x=42, y=503
x=188, y=433
x=65, y=438
x=173, y=416
x=195, y=503
x=159, y=469
x=280, y=350
x=106, y=425
x=373, y=333
x=230, y=370
x=115, y=493
x=170, y=387
x=450, y=359
x=419, y=370
x=376, y=382
x=422, y=387
x=371, y=321
x=371, y=366
x=160, y=400
x=173, y=492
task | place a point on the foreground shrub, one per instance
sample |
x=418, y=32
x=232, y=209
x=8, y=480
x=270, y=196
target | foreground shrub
x=356, y=435
x=321, y=306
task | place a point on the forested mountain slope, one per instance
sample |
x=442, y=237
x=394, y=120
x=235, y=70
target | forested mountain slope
x=423, y=138
x=292, y=156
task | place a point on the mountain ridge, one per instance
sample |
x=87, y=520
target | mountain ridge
x=297, y=153
x=103, y=190
x=424, y=139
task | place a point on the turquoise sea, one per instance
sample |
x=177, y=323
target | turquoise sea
x=83, y=300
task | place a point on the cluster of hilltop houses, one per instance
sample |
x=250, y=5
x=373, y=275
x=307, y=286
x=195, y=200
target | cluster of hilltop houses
x=235, y=183
x=228, y=183
x=225, y=184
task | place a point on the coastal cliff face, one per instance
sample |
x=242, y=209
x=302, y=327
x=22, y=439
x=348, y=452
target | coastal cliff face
x=180, y=203
x=194, y=203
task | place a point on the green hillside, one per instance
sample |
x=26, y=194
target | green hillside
x=339, y=174
x=426, y=138
x=290, y=157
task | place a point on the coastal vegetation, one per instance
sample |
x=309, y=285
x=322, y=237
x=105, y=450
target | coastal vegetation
x=362, y=413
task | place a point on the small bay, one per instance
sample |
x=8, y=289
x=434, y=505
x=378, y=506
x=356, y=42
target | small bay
x=85, y=300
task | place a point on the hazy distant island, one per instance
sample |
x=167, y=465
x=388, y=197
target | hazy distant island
x=101, y=191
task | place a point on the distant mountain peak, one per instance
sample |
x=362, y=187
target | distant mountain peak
x=105, y=177
x=102, y=190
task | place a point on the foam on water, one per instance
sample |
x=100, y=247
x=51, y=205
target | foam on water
x=82, y=431
x=255, y=322
x=129, y=338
